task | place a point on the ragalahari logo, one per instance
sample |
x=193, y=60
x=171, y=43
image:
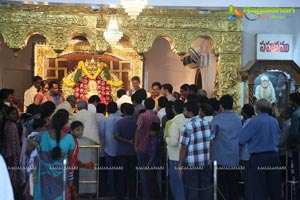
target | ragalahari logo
x=234, y=13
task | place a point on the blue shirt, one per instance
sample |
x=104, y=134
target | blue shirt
x=244, y=154
x=107, y=130
x=226, y=127
x=126, y=128
x=56, y=98
x=261, y=134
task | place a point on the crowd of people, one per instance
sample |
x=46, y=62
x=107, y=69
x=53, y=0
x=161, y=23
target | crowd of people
x=144, y=134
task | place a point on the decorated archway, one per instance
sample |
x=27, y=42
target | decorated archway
x=59, y=24
x=79, y=64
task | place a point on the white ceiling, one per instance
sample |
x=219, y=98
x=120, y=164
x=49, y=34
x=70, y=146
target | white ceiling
x=174, y=3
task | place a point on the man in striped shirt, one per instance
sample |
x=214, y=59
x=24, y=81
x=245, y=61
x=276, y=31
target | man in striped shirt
x=194, y=156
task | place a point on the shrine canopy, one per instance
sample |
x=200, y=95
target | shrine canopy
x=92, y=78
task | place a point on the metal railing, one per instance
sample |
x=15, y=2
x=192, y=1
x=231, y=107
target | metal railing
x=97, y=147
x=288, y=182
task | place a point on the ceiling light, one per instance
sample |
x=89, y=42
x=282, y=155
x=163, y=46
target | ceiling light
x=112, y=34
x=133, y=7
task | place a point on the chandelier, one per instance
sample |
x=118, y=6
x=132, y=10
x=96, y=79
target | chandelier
x=133, y=7
x=112, y=34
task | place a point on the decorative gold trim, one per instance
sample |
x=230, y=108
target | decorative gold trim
x=59, y=24
x=42, y=53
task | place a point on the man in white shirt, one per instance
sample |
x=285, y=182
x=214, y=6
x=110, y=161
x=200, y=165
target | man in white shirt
x=167, y=90
x=122, y=98
x=162, y=101
x=135, y=82
x=173, y=146
x=93, y=101
x=31, y=92
x=90, y=137
x=89, y=121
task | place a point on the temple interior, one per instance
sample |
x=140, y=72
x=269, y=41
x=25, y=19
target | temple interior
x=207, y=45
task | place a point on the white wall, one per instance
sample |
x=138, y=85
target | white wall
x=289, y=25
x=16, y=69
x=163, y=65
x=297, y=43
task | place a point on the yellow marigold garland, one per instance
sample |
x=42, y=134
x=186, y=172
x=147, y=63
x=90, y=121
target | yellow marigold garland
x=85, y=71
x=81, y=66
x=115, y=83
x=68, y=83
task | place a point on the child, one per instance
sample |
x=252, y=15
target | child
x=153, y=155
x=31, y=153
x=77, y=132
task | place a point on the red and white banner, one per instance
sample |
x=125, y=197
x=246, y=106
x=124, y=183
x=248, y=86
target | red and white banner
x=274, y=47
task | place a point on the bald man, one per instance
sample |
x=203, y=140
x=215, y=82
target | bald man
x=261, y=135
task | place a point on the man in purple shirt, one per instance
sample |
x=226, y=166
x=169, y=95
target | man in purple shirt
x=126, y=157
x=153, y=154
x=141, y=142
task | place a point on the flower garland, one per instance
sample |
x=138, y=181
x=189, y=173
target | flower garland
x=115, y=83
x=81, y=68
x=85, y=71
x=68, y=83
x=78, y=74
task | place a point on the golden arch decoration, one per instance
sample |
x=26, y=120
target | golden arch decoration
x=59, y=23
x=29, y=35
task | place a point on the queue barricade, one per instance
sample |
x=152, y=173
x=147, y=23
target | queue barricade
x=167, y=173
x=97, y=162
x=293, y=183
x=214, y=185
x=215, y=180
x=65, y=182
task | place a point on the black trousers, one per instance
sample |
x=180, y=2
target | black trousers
x=102, y=178
x=295, y=156
x=126, y=178
x=198, y=183
x=245, y=176
x=154, y=191
x=264, y=170
x=228, y=178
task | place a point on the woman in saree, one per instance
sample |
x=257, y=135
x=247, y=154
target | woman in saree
x=43, y=94
x=54, y=146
